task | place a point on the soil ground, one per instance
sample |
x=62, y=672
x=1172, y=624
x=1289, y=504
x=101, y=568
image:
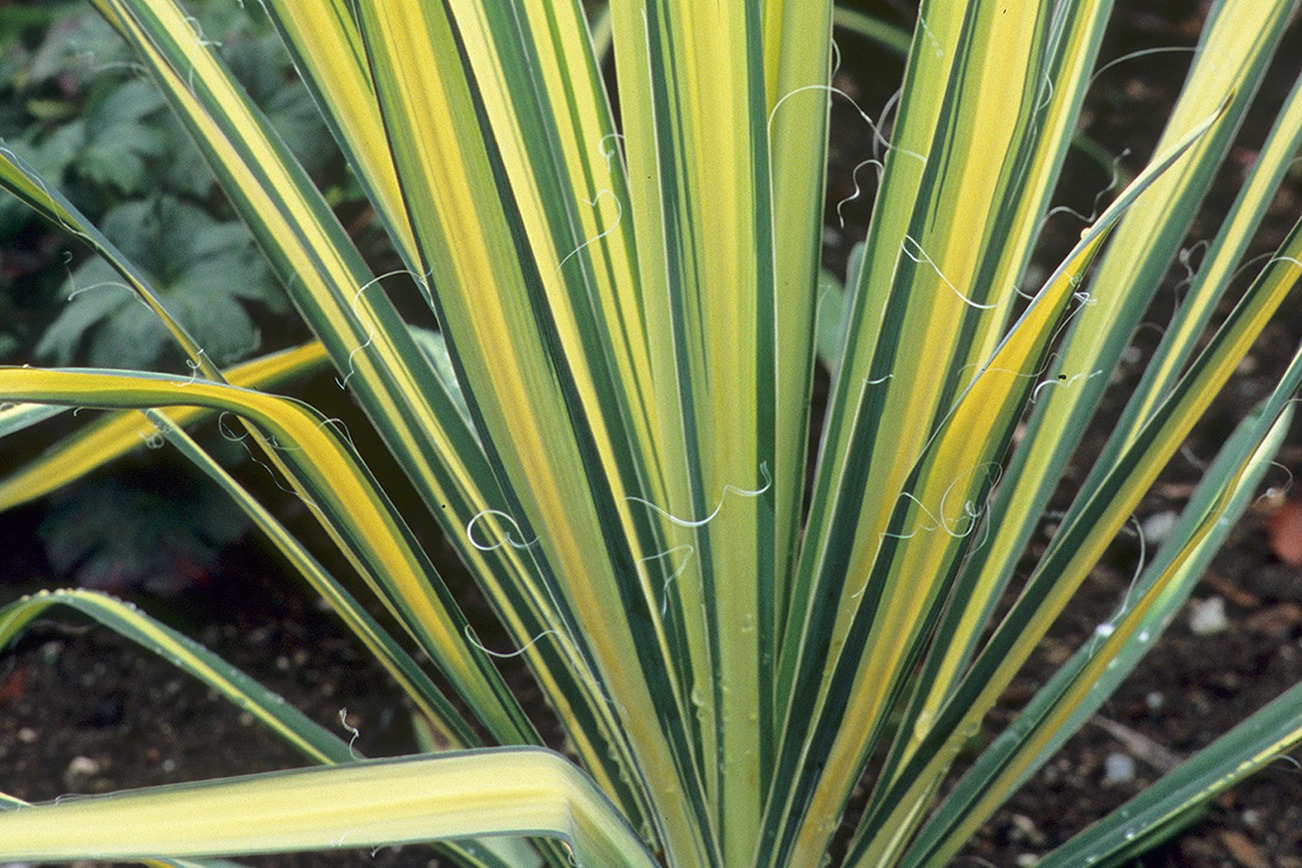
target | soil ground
x=83, y=711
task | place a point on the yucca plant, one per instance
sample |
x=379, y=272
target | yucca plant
x=611, y=425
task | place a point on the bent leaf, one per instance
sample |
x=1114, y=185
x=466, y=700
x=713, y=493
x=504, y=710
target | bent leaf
x=508, y=791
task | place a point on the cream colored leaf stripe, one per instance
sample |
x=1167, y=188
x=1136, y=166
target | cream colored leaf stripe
x=507, y=791
x=549, y=445
x=926, y=279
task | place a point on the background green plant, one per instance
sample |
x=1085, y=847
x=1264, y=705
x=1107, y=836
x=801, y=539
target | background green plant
x=78, y=109
x=613, y=431
x=76, y=106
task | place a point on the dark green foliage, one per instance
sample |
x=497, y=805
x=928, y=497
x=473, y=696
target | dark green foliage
x=76, y=105
x=204, y=270
x=163, y=537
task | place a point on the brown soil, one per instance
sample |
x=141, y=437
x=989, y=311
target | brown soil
x=84, y=711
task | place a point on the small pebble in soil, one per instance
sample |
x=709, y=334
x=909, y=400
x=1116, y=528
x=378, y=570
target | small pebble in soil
x=1207, y=616
x=1118, y=768
x=1024, y=829
x=80, y=770
x=1157, y=527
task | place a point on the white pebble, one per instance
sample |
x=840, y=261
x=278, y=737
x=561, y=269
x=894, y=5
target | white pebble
x=1207, y=616
x=1158, y=526
x=80, y=770
x=1118, y=768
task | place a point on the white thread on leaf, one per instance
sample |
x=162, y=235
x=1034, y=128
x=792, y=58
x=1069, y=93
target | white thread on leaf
x=343, y=721
x=1279, y=491
x=619, y=215
x=883, y=121
x=1189, y=455
x=197, y=26
x=1046, y=87
x=1139, y=567
x=103, y=284
x=12, y=157
x=352, y=368
x=854, y=178
x=195, y=368
x=969, y=510
x=878, y=138
x=473, y=639
x=931, y=37
x=341, y=428
x=1026, y=375
x=921, y=527
x=1112, y=184
x=370, y=330
x=1134, y=55
x=1249, y=264
x=485, y=547
x=227, y=434
x=678, y=571
x=1108, y=627
x=933, y=522
x=1288, y=759
x=1062, y=380
x=1185, y=257
x=727, y=488
x=565, y=632
x=612, y=152
x=152, y=439
x=921, y=257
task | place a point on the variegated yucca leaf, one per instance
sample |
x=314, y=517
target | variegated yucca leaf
x=614, y=213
